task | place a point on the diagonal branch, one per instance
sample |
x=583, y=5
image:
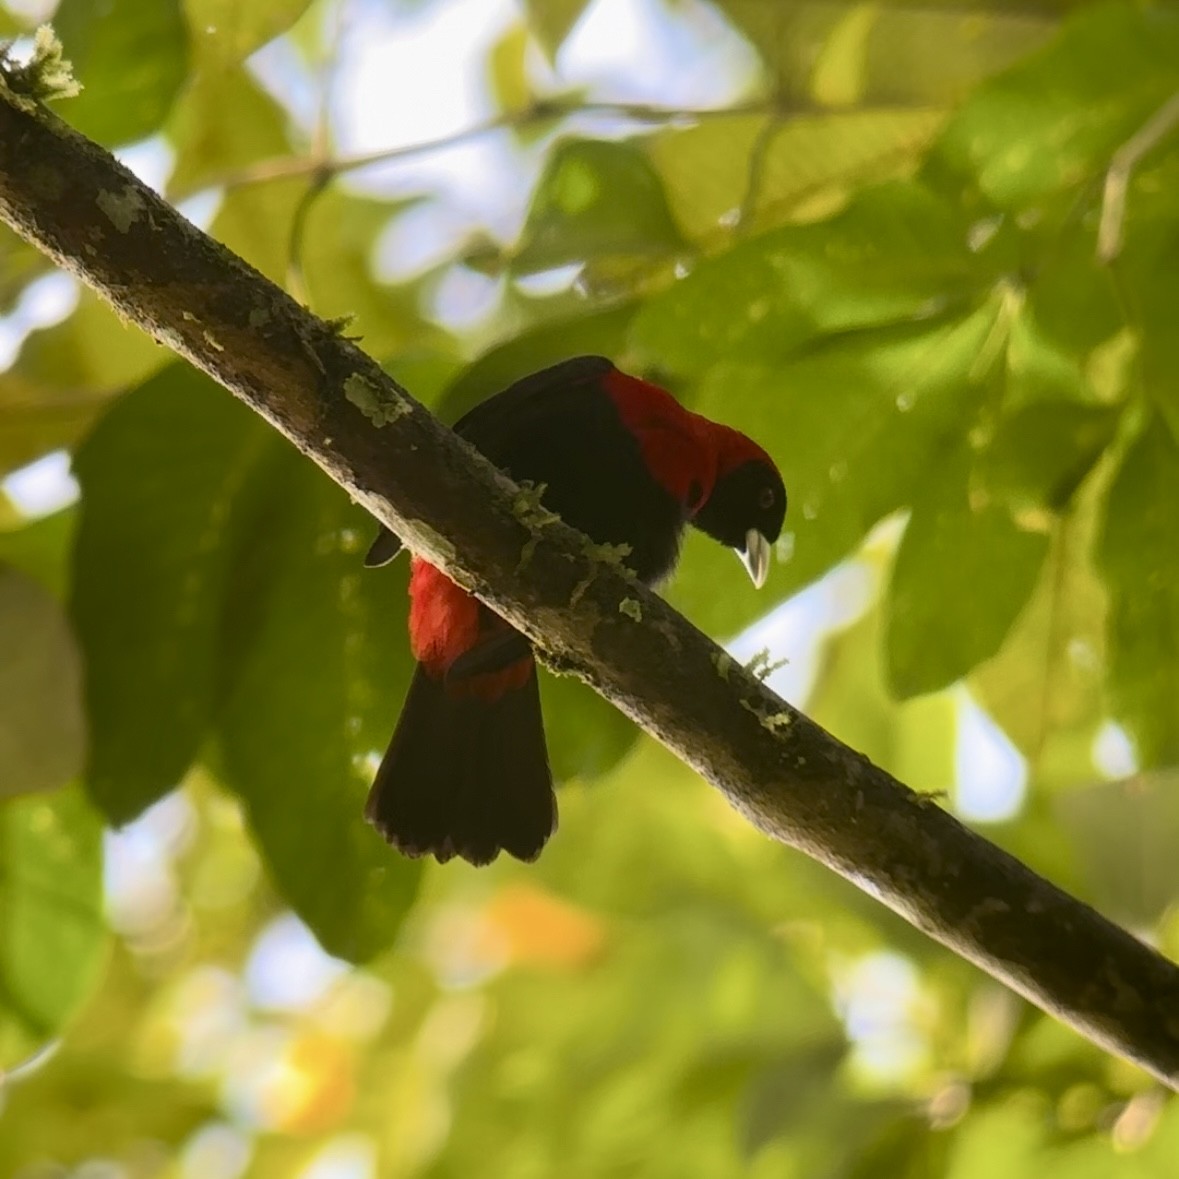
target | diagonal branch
x=796, y=782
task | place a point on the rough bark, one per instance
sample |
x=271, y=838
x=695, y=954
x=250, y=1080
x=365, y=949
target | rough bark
x=791, y=778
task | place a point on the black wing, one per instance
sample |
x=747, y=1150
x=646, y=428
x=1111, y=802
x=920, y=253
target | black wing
x=510, y=426
x=494, y=424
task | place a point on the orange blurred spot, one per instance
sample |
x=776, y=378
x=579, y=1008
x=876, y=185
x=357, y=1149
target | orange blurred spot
x=541, y=929
x=310, y=1088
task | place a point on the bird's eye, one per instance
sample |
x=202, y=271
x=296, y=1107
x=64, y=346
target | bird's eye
x=765, y=498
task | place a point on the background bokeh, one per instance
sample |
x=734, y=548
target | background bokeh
x=884, y=239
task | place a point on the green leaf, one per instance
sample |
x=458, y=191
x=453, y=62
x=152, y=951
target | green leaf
x=913, y=739
x=507, y=68
x=847, y=53
x=1054, y=121
x=94, y=348
x=163, y=476
x=1045, y=687
x=963, y=572
x=65, y=375
x=903, y=1148
x=897, y=253
x=255, y=221
x=1005, y=1139
x=210, y=559
x=1152, y=255
x=20, y=263
x=324, y=664
x=42, y=729
x=340, y=238
x=52, y=935
x=788, y=37
x=35, y=421
x=920, y=53
x=1041, y=453
x=1071, y=338
x=595, y=200
x=131, y=58
x=228, y=31
x=1139, y=561
x=708, y=169
x=224, y=121
x=42, y=549
x=854, y=430
x=553, y=20
x=1113, y=824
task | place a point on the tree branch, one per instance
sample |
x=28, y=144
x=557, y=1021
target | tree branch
x=796, y=782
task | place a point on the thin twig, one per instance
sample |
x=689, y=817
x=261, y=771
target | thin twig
x=292, y=167
x=296, y=280
x=758, y=154
x=1117, y=179
x=321, y=150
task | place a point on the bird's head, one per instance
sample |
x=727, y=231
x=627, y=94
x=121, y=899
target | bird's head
x=747, y=504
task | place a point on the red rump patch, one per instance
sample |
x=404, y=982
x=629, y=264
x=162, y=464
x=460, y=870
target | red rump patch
x=443, y=618
x=445, y=622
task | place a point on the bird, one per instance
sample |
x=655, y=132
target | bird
x=466, y=773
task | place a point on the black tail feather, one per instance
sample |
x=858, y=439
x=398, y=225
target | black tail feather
x=465, y=776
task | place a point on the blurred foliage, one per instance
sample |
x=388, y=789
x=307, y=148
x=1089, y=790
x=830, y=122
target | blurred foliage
x=880, y=259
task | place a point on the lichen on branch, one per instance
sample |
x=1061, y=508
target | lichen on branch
x=45, y=76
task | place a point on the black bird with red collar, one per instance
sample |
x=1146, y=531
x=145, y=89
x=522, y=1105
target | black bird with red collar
x=467, y=771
